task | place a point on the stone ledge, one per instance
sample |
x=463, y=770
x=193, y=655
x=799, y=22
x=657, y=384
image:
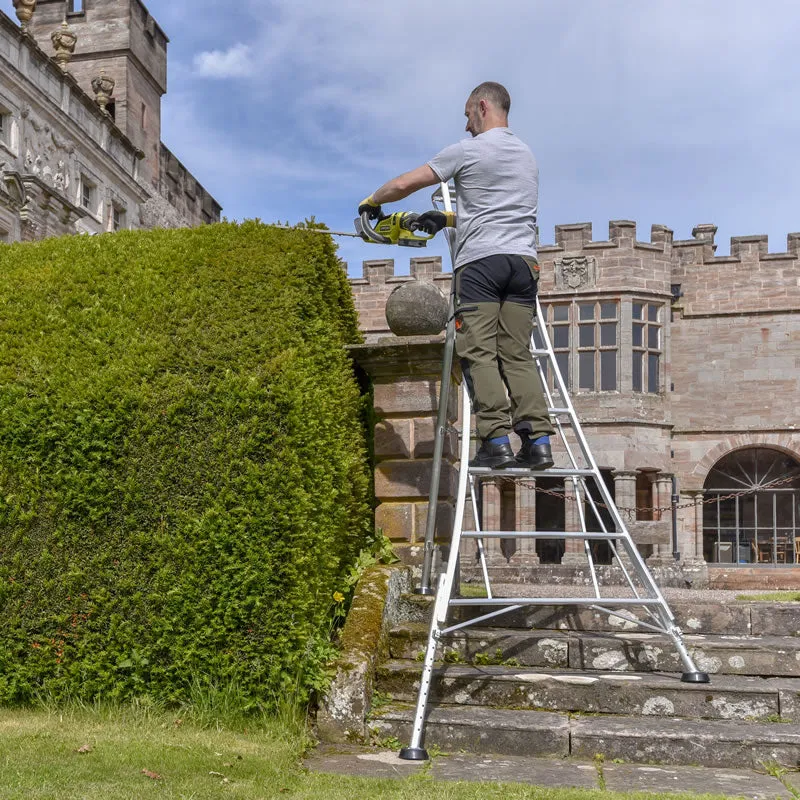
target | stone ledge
x=364, y=641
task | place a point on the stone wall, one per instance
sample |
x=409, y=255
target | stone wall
x=55, y=138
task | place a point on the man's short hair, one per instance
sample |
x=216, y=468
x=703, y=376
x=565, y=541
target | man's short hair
x=495, y=93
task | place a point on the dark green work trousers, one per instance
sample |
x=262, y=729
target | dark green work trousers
x=495, y=299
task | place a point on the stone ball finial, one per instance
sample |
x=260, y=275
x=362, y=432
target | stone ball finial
x=64, y=40
x=103, y=88
x=24, y=9
x=416, y=308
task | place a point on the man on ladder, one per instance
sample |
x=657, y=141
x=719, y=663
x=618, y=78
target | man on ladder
x=495, y=274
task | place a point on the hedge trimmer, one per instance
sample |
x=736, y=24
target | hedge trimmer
x=398, y=228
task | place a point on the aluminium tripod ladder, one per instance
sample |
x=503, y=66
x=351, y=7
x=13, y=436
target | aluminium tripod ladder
x=582, y=473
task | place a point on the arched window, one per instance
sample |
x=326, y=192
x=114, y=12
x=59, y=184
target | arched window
x=761, y=522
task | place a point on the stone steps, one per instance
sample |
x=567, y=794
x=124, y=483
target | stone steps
x=558, y=680
x=736, y=618
x=764, y=656
x=646, y=694
x=722, y=743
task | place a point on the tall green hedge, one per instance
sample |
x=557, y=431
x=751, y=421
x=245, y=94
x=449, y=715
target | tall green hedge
x=183, y=477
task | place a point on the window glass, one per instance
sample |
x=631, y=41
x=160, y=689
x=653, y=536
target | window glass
x=652, y=372
x=638, y=310
x=586, y=370
x=637, y=372
x=608, y=334
x=586, y=336
x=638, y=335
x=560, y=336
x=586, y=311
x=608, y=310
x=560, y=313
x=562, y=359
x=653, y=337
x=608, y=370
x=652, y=313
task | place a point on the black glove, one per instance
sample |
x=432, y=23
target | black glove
x=372, y=209
x=431, y=222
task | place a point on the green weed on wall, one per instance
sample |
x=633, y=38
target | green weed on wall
x=183, y=476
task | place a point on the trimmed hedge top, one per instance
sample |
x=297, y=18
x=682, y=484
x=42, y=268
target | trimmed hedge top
x=183, y=472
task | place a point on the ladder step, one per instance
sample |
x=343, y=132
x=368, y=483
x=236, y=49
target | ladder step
x=555, y=601
x=538, y=352
x=521, y=472
x=542, y=535
x=555, y=411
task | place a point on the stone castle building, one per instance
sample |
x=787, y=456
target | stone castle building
x=680, y=363
x=81, y=83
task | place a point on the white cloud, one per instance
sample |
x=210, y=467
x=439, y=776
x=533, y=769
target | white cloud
x=235, y=62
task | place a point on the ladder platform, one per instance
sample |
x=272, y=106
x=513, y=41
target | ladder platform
x=542, y=535
x=523, y=472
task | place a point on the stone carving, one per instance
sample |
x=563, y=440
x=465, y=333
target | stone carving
x=103, y=88
x=24, y=9
x=47, y=156
x=576, y=272
x=64, y=41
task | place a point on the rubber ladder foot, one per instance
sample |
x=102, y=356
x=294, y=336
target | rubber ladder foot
x=695, y=677
x=414, y=754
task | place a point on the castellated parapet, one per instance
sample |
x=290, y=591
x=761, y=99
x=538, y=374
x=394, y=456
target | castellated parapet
x=749, y=280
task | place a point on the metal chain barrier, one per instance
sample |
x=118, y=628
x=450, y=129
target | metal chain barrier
x=631, y=512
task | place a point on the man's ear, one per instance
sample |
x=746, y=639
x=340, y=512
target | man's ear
x=483, y=106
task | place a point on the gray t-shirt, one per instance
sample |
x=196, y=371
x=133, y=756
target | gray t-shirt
x=497, y=194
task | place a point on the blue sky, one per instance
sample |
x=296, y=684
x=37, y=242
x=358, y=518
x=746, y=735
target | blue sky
x=660, y=111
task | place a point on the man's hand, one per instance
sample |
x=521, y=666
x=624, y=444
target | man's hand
x=431, y=222
x=372, y=209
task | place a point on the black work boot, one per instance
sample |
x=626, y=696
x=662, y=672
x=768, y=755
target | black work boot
x=494, y=455
x=534, y=456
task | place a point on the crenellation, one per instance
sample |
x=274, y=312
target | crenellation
x=661, y=235
x=426, y=267
x=622, y=232
x=705, y=233
x=574, y=236
x=793, y=243
x=752, y=246
x=378, y=270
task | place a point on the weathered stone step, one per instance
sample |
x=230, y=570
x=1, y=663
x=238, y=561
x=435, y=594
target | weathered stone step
x=629, y=694
x=737, y=618
x=721, y=743
x=763, y=656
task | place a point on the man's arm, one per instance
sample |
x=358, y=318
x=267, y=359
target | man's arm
x=403, y=185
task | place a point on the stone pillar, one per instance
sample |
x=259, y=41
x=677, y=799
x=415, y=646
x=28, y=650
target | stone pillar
x=525, y=520
x=662, y=499
x=625, y=494
x=574, y=550
x=405, y=374
x=492, y=511
x=625, y=500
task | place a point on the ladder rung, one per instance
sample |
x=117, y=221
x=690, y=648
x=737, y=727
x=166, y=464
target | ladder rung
x=555, y=601
x=542, y=535
x=557, y=411
x=539, y=353
x=521, y=472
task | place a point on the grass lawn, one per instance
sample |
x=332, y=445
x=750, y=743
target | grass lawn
x=780, y=597
x=139, y=753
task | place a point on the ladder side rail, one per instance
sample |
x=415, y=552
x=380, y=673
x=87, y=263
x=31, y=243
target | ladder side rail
x=415, y=750
x=441, y=415
x=578, y=486
x=641, y=568
x=479, y=540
